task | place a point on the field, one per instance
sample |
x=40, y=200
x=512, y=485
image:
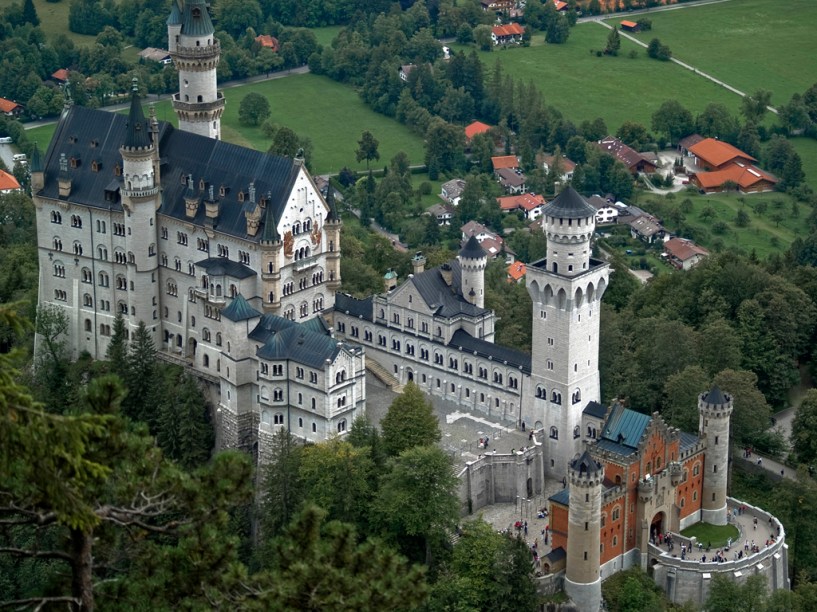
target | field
x=750, y=44
x=53, y=19
x=311, y=105
x=326, y=34
x=617, y=89
x=807, y=149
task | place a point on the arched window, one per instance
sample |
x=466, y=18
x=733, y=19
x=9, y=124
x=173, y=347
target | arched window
x=554, y=433
x=576, y=432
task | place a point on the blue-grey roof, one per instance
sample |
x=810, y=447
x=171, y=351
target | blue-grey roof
x=473, y=250
x=196, y=19
x=36, y=159
x=137, y=135
x=299, y=344
x=268, y=326
x=499, y=354
x=353, y=306
x=218, y=266
x=614, y=447
x=688, y=441
x=562, y=497
x=584, y=464
x=240, y=310
x=443, y=300
x=87, y=134
x=625, y=426
x=569, y=204
x=556, y=554
x=715, y=396
x=175, y=17
x=595, y=409
x=317, y=325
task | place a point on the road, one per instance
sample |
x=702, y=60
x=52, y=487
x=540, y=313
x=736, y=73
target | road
x=644, y=11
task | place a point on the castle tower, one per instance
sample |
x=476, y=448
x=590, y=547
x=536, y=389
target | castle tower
x=715, y=408
x=332, y=230
x=473, y=260
x=196, y=53
x=566, y=290
x=140, y=199
x=582, y=578
x=174, y=26
x=272, y=261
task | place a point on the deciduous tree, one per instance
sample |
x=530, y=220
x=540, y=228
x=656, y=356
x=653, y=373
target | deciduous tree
x=409, y=422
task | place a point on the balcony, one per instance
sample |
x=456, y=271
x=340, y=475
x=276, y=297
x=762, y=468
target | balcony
x=307, y=262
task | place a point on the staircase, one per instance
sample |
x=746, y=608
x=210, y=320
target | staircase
x=383, y=375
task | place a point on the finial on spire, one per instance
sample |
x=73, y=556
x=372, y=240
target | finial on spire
x=135, y=85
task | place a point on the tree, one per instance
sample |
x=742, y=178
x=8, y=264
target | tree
x=141, y=378
x=280, y=487
x=235, y=16
x=409, y=422
x=30, y=13
x=715, y=121
x=656, y=50
x=320, y=566
x=633, y=135
x=613, y=42
x=367, y=148
x=558, y=31
x=681, y=397
x=673, y=120
x=482, y=37
x=754, y=106
x=444, y=147
x=804, y=429
x=253, y=109
x=726, y=594
x=117, y=351
x=183, y=428
x=751, y=411
x=417, y=505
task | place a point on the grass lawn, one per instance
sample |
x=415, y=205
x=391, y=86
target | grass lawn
x=326, y=34
x=53, y=19
x=765, y=234
x=807, y=148
x=750, y=44
x=714, y=535
x=617, y=89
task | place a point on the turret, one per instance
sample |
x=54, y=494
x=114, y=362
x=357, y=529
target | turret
x=36, y=168
x=332, y=230
x=198, y=105
x=582, y=578
x=418, y=263
x=715, y=409
x=271, y=261
x=473, y=260
x=569, y=222
x=389, y=280
x=174, y=26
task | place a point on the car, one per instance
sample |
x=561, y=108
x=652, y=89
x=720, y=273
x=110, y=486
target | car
x=6, y=140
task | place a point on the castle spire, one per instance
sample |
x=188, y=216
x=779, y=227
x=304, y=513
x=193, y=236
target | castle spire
x=137, y=135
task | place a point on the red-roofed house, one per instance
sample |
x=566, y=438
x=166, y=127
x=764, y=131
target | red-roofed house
x=530, y=203
x=505, y=161
x=9, y=108
x=60, y=76
x=561, y=5
x=8, y=183
x=267, y=42
x=747, y=177
x=516, y=272
x=631, y=158
x=477, y=127
x=684, y=254
x=630, y=26
x=505, y=34
x=713, y=154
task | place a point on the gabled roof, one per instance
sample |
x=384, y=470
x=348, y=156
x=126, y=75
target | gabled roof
x=510, y=29
x=625, y=427
x=688, y=441
x=743, y=175
x=625, y=154
x=441, y=299
x=565, y=163
x=154, y=54
x=517, y=270
x=93, y=134
x=683, y=249
x=595, y=409
x=688, y=141
x=60, y=75
x=525, y=201
x=645, y=226
x=569, y=204
x=496, y=352
x=240, y=310
x=267, y=41
x=477, y=127
x=717, y=152
x=354, y=306
x=300, y=344
x=7, y=106
x=509, y=176
x=440, y=210
x=8, y=182
x=505, y=161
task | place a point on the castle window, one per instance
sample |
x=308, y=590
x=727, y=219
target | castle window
x=554, y=433
x=56, y=217
x=278, y=395
x=87, y=276
x=342, y=426
x=300, y=422
x=206, y=361
x=576, y=397
x=57, y=244
x=88, y=301
x=104, y=281
x=117, y=170
x=59, y=270
x=314, y=427
x=556, y=398
x=576, y=432
x=616, y=513
x=279, y=418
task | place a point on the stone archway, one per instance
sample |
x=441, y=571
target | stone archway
x=658, y=524
x=410, y=375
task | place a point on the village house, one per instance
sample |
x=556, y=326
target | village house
x=507, y=34
x=451, y=191
x=8, y=184
x=268, y=42
x=160, y=56
x=712, y=154
x=477, y=127
x=566, y=166
x=405, y=71
x=516, y=272
x=606, y=212
x=512, y=181
x=443, y=213
x=631, y=158
x=497, y=5
x=683, y=254
x=491, y=243
x=530, y=204
x=646, y=228
x=724, y=165
x=10, y=108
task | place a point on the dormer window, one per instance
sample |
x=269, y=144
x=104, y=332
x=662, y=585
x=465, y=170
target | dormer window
x=240, y=196
x=202, y=185
x=74, y=161
x=94, y=143
x=196, y=12
x=96, y=165
x=117, y=170
x=222, y=191
x=183, y=178
x=72, y=139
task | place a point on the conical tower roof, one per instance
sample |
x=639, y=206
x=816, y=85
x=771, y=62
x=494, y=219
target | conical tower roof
x=473, y=249
x=175, y=17
x=270, y=231
x=715, y=396
x=36, y=160
x=137, y=135
x=585, y=464
x=196, y=19
x=569, y=205
x=330, y=202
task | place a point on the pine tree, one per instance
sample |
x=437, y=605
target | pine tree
x=183, y=428
x=613, y=42
x=30, y=13
x=141, y=379
x=117, y=353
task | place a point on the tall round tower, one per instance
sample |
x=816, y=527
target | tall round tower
x=715, y=409
x=140, y=199
x=582, y=578
x=473, y=260
x=196, y=53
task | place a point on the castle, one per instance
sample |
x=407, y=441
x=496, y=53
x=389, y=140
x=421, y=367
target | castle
x=228, y=255
x=231, y=258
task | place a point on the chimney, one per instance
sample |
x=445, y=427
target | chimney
x=64, y=179
x=418, y=262
x=191, y=200
x=389, y=280
x=447, y=274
